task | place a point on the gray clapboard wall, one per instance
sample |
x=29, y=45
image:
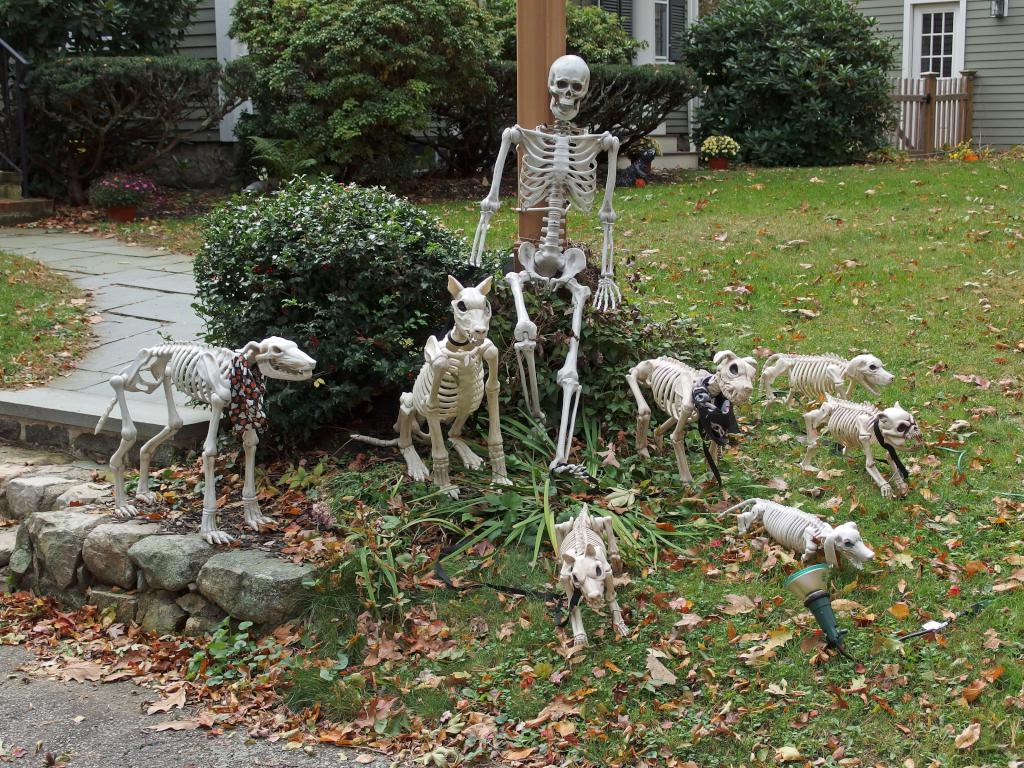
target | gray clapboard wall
x=994, y=49
x=200, y=41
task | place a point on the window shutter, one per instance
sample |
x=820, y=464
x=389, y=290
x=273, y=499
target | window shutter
x=676, y=27
x=623, y=9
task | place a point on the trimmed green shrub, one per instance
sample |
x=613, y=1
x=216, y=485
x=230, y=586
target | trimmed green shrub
x=795, y=82
x=44, y=29
x=626, y=100
x=356, y=78
x=590, y=31
x=91, y=113
x=354, y=275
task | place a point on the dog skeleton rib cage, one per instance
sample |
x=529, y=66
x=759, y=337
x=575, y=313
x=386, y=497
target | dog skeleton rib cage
x=223, y=379
x=559, y=168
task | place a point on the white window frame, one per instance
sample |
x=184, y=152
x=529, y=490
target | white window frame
x=228, y=49
x=667, y=33
x=911, y=38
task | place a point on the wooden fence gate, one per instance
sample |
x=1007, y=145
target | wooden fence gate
x=933, y=112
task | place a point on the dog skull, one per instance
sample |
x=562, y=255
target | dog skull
x=868, y=371
x=587, y=572
x=735, y=375
x=568, y=83
x=898, y=426
x=471, y=310
x=846, y=540
x=282, y=359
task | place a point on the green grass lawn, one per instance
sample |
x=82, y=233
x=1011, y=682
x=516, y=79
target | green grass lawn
x=42, y=322
x=920, y=264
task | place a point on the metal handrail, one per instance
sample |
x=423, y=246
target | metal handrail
x=9, y=106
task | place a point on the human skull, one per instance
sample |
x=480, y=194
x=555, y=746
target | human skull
x=568, y=83
x=735, y=375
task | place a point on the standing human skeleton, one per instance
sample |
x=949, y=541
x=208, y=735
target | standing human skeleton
x=558, y=168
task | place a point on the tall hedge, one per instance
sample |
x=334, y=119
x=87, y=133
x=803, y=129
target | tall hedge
x=796, y=82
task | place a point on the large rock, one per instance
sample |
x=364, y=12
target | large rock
x=84, y=493
x=35, y=493
x=8, y=537
x=158, y=612
x=7, y=473
x=203, y=616
x=105, y=551
x=254, y=586
x=170, y=562
x=57, y=539
x=123, y=605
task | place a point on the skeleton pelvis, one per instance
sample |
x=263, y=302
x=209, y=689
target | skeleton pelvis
x=552, y=263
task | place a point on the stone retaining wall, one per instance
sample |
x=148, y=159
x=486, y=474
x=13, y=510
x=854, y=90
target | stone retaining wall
x=67, y=545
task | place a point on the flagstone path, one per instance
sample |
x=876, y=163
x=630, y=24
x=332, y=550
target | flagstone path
x=143, y=297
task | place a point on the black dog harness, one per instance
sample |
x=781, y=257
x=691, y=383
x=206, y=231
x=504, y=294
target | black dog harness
x=889, y=449
x=716, y=420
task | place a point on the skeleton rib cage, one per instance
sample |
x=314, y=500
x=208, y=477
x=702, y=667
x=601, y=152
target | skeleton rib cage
x=460, y=391
x=809, y=374
x=788, y=525
x=187, y=373
x=580, y=536
x=555, y=163
x=665, y=382
x=843, y=419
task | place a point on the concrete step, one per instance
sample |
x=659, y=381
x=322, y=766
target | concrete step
x=10, y=177
x=65, y=419
x=670, y=161
x=10, y=190
x=21, y=211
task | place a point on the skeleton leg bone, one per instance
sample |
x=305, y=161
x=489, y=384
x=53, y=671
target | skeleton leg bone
x=678, y=439
x=439, y=456
x=525, y=346
x=813, y=420
x=406, y=424
x=613, y=606
x=568, y=378
x=637, y=374
x=663, y=429
x=174, y=423
x=495, y=445
x=250, y=505
x=866, y=439
x=469, y=459
x=122, y=509
x=208, y=528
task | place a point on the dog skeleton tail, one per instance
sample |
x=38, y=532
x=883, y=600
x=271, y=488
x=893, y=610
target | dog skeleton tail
x=744, y=506
x=106, y=414
x=375, y=441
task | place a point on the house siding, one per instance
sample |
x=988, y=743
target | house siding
x=201, y=37
x=994, y=48
x=888, y=16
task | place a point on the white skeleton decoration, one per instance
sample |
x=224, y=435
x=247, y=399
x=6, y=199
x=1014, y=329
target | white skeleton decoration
x=449, y=388
x=860, y=425
x=805, y=533
x=588, y=554
x=685, y=393
x=559, y=167
x=814, y=376
x=221, y=378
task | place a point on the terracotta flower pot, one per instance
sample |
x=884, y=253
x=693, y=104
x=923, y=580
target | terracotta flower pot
x=121, y=213
x=718, y=163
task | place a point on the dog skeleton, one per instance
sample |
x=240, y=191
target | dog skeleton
x=204, y=373
x=860, y=425
x=672, y=385
x=450, y=388
x=559, y=166
x=814, y=376
x=586, y=571
x=805, y=533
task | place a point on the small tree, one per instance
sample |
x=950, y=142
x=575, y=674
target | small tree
x=44, y=29
x=89, y=113
x=795, y=82
x=358, y=77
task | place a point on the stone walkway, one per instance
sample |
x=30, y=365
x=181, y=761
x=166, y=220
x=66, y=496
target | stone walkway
x=144, y=297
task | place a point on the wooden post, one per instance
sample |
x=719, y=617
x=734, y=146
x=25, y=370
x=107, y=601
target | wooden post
x=540, y=39
x=928, y=140
x=968, y=120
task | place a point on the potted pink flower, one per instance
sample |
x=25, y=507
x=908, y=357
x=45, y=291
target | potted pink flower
x=120, y=194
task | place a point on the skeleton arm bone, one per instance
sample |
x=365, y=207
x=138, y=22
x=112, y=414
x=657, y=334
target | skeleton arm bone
x=608, y=295
x=490, y=203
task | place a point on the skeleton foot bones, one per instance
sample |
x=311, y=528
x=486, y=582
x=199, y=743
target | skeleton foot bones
x=449, y=388
x=223, y=379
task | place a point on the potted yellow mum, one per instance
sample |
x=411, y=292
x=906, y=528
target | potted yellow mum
x=718, y=151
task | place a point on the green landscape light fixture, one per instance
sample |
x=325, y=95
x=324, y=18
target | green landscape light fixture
x=998, y=9
x=809, y=585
